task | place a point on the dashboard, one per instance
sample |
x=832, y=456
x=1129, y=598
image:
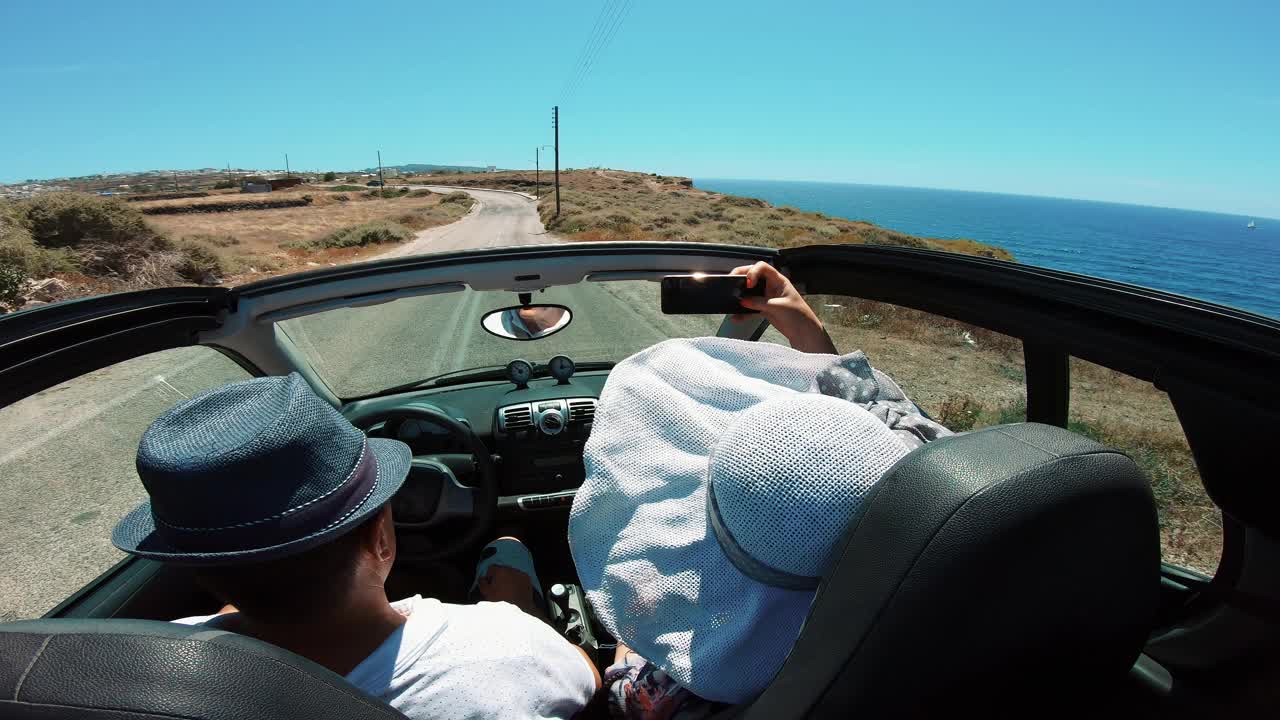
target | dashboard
x=534, y=427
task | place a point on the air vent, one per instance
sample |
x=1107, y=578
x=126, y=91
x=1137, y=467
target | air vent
x=515, y=417
x=581, y=410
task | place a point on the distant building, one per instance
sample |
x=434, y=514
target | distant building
x=255, y=184
x=492, y=168
x=282, y=183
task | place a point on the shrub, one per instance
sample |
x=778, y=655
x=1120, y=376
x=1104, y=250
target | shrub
x=739, y=201
x=65, y=231
x=1014, y=412
x=330, y=176
x=370, y=233
x=959, y=413
x=342, y=197
x=200, y=264
x=213, y=240
x=12, y=278
x=65, y=219
x=225, y=184
x=457, y=196
x=346, y=188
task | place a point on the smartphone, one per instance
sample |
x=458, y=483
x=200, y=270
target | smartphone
x=701, y=294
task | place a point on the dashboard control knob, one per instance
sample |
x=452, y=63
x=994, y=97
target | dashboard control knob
x=551, y=422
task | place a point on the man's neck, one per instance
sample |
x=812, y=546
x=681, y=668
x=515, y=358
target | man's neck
x=338, y=638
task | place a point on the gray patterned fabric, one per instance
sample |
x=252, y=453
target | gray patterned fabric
x=851, y=377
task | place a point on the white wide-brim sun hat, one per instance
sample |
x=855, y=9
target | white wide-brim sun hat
x=719, y=481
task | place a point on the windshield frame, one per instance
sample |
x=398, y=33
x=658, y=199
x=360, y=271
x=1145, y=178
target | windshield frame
x=251, y=328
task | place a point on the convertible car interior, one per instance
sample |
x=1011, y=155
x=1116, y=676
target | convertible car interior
x=1011, y=569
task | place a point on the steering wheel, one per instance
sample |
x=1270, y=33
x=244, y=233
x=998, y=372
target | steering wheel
x=441, y=495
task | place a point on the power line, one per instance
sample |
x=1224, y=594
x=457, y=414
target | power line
x=607, y=24
x=606, y=38
x=602, y=46
x=592, y=38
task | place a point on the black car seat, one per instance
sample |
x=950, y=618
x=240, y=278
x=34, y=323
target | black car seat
x=120, y=669
x=1014, y=569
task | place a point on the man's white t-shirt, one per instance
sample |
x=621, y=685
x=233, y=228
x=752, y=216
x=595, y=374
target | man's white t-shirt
x=487, y=660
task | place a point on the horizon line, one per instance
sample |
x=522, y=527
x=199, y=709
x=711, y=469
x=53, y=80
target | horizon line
x=1002, y=192
x=755, y=179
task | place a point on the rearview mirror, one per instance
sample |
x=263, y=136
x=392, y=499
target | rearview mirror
x=527, y=322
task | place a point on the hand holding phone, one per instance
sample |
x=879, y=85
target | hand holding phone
x=785, y=308
x=700, y=293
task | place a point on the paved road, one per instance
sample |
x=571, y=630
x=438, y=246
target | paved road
x=498, y=219
x=66, y=468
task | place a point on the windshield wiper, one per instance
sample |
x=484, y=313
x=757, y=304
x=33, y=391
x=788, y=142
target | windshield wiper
x=492, y=372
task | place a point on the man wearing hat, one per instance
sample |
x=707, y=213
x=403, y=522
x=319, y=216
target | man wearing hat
x=281, y=506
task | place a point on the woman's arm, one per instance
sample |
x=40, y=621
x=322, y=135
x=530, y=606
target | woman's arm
x=785, y=309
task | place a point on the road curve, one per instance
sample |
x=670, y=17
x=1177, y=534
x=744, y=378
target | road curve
x=498, y=219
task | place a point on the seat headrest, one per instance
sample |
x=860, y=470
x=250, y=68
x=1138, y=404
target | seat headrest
x=145, y=669
x=988, y=565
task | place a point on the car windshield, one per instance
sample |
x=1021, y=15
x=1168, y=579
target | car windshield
x=361, y=351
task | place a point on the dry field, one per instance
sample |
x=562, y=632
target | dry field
x=65, y=244
x=270, y=241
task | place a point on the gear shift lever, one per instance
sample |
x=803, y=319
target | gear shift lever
x=559, y=597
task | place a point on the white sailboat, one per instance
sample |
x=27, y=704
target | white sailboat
x=1251, y=226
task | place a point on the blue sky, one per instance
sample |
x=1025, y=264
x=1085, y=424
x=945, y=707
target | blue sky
x=1162, y=103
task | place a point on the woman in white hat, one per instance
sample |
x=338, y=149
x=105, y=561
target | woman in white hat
x=720, y=476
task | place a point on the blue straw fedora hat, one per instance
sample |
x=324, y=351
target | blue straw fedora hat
x=720, y=480
x=255, y=471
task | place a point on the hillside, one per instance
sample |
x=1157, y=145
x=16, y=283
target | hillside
x=618, y=205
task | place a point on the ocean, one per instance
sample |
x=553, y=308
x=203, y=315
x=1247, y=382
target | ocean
x=1211, y=256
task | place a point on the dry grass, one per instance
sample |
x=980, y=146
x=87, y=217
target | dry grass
x=271, y=239
x=96, y=245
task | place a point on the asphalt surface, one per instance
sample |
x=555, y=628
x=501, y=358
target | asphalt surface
x=66, y=466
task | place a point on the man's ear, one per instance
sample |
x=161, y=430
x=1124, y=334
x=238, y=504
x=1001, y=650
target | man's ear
x=382, y=537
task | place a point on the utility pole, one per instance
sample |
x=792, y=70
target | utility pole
x=555, y=123
x=383, y=184
x=175, y=181
x=537, y=169
x=287, y=172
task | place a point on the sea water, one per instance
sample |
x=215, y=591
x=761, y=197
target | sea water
x=1211, y=256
